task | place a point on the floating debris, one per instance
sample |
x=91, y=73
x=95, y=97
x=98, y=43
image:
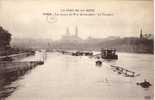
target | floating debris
x=144, y=84
x=123, y=71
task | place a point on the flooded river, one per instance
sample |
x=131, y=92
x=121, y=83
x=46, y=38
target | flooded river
x=66, y=77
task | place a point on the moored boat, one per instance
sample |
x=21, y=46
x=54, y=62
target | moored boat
x=109, y=54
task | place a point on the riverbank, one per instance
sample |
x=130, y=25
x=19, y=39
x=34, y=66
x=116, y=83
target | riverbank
x=13, y=64
x=16, y=56
x=12, y=67
x=78, y=78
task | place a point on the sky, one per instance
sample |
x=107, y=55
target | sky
x=28, y=19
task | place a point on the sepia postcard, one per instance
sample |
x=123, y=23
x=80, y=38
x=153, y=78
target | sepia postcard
x=76, y=49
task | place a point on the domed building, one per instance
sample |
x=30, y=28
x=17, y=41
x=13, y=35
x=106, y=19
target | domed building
x=71, y=38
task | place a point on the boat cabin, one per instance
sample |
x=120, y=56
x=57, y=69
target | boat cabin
x=109, y=54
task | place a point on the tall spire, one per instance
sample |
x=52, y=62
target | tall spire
x=141, y=33
x=76, y=31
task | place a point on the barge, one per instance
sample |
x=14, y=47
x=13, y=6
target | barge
x=109, y=54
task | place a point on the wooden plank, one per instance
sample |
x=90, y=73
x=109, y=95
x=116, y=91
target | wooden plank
x=124, y=71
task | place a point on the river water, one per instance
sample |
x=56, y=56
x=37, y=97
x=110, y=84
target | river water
x=66, y=77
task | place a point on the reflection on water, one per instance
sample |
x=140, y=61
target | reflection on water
x=65, y=77
x=8, y=82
